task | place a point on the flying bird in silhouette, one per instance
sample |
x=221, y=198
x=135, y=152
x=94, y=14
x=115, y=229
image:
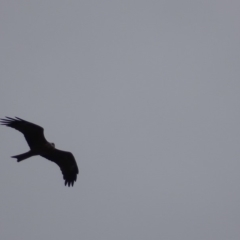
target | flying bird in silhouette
x=40, y=146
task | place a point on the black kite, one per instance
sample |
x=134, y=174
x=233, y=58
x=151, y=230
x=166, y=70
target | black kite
x=40, y=146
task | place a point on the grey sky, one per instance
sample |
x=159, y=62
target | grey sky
x=146, y=95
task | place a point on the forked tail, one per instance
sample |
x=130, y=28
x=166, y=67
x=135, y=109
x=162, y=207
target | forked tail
x=23, y=156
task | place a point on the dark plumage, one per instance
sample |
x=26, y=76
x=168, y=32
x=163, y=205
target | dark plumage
x=40, y=146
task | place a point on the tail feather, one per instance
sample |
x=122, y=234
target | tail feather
x=23, y=156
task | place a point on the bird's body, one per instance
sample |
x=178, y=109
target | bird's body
x=34, y=136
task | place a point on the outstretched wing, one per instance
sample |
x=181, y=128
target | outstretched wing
x=66, y=162
x=33, y=133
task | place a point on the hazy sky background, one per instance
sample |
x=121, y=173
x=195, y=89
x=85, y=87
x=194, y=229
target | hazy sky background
x=146, y=96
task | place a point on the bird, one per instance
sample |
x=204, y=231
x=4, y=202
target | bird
x=38, y=144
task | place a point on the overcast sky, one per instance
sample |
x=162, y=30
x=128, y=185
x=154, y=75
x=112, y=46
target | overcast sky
x=146, y=96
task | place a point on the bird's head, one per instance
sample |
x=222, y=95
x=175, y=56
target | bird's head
x=53, y=145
